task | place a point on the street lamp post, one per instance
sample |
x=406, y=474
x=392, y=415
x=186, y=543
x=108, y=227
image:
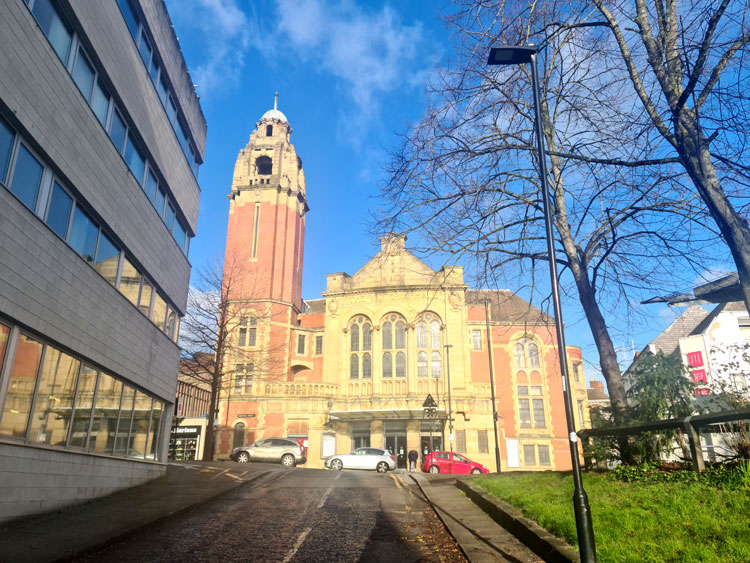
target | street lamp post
x=492, y=385
x=509, y=55
x=450, y=411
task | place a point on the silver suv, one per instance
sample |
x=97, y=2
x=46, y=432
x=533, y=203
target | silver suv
x=286, y=451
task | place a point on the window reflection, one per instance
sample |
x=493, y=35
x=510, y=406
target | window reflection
x=144, y=304
x=107, y=406
x=83, y=406
x=130, y=281
x=26, y=177
x=83, y=235
x=107, y=259
x=21, y=387
x=126, y=418
x=159, y=311
x=54, y=28
x=6, y=144
x=139, y=430
x=54, y=398
x=58, y=214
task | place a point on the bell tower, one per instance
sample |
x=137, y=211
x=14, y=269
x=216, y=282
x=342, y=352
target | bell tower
x=266, y=231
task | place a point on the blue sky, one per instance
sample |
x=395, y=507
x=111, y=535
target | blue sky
x=350, y=76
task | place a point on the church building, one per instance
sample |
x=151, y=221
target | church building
x=362, y=365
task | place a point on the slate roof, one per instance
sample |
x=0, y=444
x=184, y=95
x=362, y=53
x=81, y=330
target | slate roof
x=506, y=306
x=314, y=306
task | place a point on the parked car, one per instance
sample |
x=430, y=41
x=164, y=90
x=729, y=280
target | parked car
x=451, y=462
x=363, y=458
x=286, y=451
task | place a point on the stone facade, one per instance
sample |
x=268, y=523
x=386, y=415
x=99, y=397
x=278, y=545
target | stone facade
x=354, y=368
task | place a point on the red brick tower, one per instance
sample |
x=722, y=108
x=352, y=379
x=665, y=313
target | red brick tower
x=265, y=240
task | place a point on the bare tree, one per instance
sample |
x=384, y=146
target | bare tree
x=466, y=180
x=217, y=330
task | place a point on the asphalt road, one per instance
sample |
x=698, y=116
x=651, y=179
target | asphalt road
x=295, y=515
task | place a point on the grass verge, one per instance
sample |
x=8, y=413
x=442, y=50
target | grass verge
x=655, y=522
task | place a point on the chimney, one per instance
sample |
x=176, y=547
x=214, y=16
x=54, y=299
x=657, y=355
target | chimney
x=598, y=385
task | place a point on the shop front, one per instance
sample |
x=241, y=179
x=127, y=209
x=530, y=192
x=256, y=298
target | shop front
x=186, y=440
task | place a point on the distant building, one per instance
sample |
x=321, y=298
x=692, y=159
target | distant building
x=598, y=399
x=101, y=136
x=356, y=367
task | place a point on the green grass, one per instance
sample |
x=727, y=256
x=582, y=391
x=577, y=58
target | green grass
x=636, y=521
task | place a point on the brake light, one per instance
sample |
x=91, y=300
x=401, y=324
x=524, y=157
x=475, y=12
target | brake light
x=393, y=458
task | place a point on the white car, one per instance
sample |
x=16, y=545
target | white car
x=374, y=459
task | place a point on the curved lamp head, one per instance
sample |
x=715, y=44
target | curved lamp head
x=509, y=55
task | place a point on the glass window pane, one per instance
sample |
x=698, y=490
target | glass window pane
x=126, y=417
x=354, y=338
x=144, y=303
x=353, y=367
x=159, y=312
x=170, y=325
x=21, y=387
x=150, y=186
x=105, y=414
x=387, y=336
x=26, y=177
x=130, y=281
x=145, y=50
x=6, y=145
x=117, y=131
x=54, y=398
x=135, y=160
x=366, y=366
x=58, y=213
x=155, y=432
x=159, y=202
x=169, y=216
x=141, y=419
x=400, y=335
x=538, y=405
x=4, y=333
x=387, y=365
x=190, y=154
x=83, y=235
x=176, y=335
x=172, y=112
x=129, y=15
x=162, y=90
x=83, y=406
x=54, y=28
x=154, y=73
x=181, y=137
x=366, y=337
x=524, y=413
x=434, y=335
x=422, y=364
x=543, y=455
x=179, y=234
x=529, y=457
x=107, y=259
x=436, y=362
x=421, y=335
x=83, y=74
x=400, y=364
x=100, y=103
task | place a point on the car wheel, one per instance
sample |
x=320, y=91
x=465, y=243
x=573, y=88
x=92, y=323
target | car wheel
x=476, y=471
x=243, y=457
x=287, y=460
x=336, y=465
x=382, y=467
x=434, y=469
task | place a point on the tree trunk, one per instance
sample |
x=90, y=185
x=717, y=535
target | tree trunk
x=692, y=146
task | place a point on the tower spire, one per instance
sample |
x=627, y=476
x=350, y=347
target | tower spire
x=275, y=100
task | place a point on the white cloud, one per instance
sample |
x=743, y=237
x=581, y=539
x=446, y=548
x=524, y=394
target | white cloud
x=370, y=53
x=225, y=35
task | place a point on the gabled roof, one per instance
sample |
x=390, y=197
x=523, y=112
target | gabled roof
x=314, y=306
x=689, y=322
x=506, y=306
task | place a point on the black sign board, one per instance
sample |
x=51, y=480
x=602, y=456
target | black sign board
x=186, y=430
x=429, y=402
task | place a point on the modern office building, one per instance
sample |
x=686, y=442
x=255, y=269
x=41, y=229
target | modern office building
x=355, y=368
x=101, y=137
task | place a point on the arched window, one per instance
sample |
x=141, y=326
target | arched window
x=366, y=337
x=239, y=435
x=354, y=338
x=264, y=164
x=354, y=367
x=387, y=365
x=520, y=356
x=435, y=335
x=421, y=364
x=366, y=367
x=533, y=352
x=269, y=130
x=400, y=364
x=437, y=365
x=400, y=335
x=387, y=336
x=421, y=335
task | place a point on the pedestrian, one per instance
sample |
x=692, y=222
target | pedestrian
x=413, y=457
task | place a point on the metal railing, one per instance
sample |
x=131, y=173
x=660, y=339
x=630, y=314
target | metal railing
x=690, y=425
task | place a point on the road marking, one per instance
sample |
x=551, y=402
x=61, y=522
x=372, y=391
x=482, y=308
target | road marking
x=395, y=480
x=220, y=474
x=297, y=545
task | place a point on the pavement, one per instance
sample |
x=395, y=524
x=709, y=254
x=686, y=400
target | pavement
x=76, y=531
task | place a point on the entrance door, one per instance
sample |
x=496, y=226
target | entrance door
x=396, y=443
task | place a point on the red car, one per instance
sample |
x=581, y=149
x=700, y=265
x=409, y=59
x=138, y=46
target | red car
x=451, y=462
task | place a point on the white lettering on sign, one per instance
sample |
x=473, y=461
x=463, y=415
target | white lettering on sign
x=186, y=430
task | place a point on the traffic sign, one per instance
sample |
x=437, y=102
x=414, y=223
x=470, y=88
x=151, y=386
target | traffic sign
x=429, y=402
